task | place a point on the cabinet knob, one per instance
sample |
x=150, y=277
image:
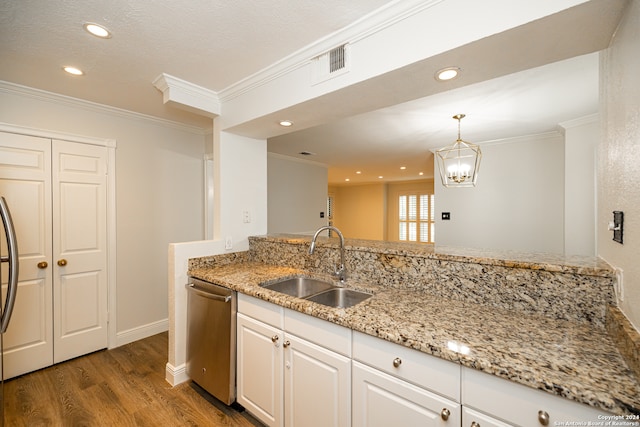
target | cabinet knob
x=543, y=417
x=475, y=424
x=62, y=262
x=444, y=414
x=397, y=362
x=286, y=344
x=42, y=265
x=274, y=339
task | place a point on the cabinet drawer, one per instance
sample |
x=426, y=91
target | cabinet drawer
x=427, y=371
x=382, y=400
x=469, y=417
x=518, y=404
x=264, y=311
x=321, y=332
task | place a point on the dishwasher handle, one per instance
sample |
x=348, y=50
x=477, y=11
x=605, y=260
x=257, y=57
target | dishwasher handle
x=209, y=295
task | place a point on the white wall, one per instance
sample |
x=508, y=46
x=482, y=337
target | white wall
x=619, y=156
x=297, y=192
x=158, y=193
x=517, y=204
x=580, y=142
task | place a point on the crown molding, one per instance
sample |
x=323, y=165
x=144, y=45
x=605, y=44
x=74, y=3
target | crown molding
x=184, y=94
x=42, y=95
x=366, y=26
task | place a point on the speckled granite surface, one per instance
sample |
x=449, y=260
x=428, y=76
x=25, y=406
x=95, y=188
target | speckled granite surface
x=565, y=288
x=572, y=357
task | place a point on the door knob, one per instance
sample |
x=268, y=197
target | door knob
x=62, y=262
x=42, y=265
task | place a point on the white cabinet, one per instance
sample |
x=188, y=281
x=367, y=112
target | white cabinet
x=519, y=405
x=380, y=400
x=471, y=418
x=259, y=369
x=317, y=386
x=401, y=386
x=285, y=380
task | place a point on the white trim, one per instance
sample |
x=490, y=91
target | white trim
x=42, y=95
x=580, y=121
x=176, y=375
x=112, y=251
x=142, y=332
x=22, y=130
x=198, y=98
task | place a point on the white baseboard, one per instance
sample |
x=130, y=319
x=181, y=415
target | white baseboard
x=135, y=334
x=176, y=375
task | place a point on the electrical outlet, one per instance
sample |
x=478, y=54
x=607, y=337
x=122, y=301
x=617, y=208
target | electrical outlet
x=246, y=217
x=619, y=288
x=228, y=243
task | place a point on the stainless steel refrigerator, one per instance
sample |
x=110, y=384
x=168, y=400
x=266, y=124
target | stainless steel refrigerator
x=6, y=308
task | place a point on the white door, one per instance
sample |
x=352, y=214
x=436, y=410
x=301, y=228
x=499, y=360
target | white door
x=79, y=249
x=25, y=182
x=259, y=365
x=56, y=191
x=317, y=386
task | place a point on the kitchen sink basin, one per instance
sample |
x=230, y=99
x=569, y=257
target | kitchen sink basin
x=339, y=297
x=300, y=287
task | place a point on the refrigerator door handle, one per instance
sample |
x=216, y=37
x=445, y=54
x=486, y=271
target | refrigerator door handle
x=12, y=259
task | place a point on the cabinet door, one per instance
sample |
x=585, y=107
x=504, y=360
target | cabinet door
x=259, y=370
x=380, y=400
x=317, y=385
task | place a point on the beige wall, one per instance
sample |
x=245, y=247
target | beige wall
x=619, y=156
x=367, y=211
x=360, y=210
x=159, y=192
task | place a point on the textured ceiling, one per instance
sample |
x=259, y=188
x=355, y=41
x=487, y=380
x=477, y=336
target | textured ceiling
x=523, y=81
x=212, y=44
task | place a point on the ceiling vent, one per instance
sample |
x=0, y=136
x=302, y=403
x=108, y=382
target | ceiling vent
x=330, y=64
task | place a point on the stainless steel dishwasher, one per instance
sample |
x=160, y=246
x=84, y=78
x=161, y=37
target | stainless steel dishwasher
x=211, y=338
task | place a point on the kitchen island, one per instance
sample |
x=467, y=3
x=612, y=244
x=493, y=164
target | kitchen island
x=535, y=320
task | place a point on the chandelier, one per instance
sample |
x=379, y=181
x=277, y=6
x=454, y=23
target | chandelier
x=459, y=162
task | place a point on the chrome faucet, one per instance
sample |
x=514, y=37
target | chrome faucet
x=341, y=271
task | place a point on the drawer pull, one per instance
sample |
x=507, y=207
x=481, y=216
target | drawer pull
x=444, y=414
x=286, y=344
x=397, y=362
x=475, y=424
x=543, y=417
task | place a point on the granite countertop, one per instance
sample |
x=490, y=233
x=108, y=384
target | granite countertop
x=569, y=359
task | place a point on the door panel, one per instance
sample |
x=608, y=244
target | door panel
x=25, y=181
x=80, y=256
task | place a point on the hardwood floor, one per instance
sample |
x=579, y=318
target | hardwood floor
x=120, y=387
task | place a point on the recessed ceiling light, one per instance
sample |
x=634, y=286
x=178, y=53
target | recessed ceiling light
x=347, y=179
x=286, y=123
x=421, y=173
x=447, y=73
x=73, y=70
x=97, y=30
x=402, y=168
x=358, y=172
x=380, y=176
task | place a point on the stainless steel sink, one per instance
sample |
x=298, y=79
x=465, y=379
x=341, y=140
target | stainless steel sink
x=339, y=297
x=300, y=287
